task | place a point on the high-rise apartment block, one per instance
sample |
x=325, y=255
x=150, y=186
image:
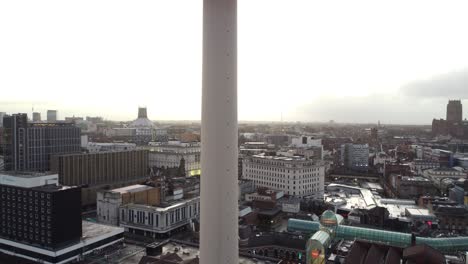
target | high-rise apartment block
x=294, y=175
x=30, y=146
x=52, y=116
x=355, y=156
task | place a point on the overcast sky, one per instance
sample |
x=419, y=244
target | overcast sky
x=350, y=61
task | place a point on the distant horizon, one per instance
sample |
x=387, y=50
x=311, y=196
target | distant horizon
x=44, y=118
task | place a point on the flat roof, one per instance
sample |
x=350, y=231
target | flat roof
x=93, y=230
x=163, y=206
x=418, y=212
x=132, y=188
x=27, y=174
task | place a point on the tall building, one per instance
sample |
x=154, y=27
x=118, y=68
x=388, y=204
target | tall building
x=36, y=117
x=41, y=221
x=39, y=212
x=52, y=116
x=2, y=114
x=99, y=170
x=355, y=156
x=454, y=111
x=454, y=125
x=29, y=146
x=14, y=142
x=293, y=175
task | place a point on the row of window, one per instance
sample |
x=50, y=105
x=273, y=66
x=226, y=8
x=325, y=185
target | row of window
x=11, y=216
x=30, y=237
x=281, y=164
x=15, y=191
x=152, y=219
x=283, y=187
x=31, y=227
x=23, y=204
x=272, y=174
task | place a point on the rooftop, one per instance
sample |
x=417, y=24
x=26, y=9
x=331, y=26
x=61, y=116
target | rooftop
x=94, y=230
x=132, y=188
x=163, y=206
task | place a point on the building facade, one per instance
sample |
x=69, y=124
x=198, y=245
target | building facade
x=109, y=201
x=158, y=221
x=30, y=146
x=293, y=175
x=38, y=212
x=52, y=116
x=169, y=155
x=453, y=125
x=454, y=111
x=101, y=170
x=355, y=156
x=406, y=187
x=36, y=117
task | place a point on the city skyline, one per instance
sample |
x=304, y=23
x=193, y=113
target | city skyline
x=325, y=62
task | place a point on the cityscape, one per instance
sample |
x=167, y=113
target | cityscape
x=89, y=190
x=311, y=150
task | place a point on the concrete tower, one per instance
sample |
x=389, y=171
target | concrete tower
x=142, y=113
x=454, y=111
x=219, y=188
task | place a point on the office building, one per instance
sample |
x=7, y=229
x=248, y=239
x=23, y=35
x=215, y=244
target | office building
x=38, y=212
x=355, y=156
x=306, y=141
x=101, y=170
x=30, y=146
x=109, y=201
x=458, y=194
x=439, y=174
x=36, y=117
x=52, y=116
x=161, y=220
x=93, y=147
x=293, y=175
x=94, y=119
x=170, y=155
x=41, y=221
x=2, y=114
x=406, y=187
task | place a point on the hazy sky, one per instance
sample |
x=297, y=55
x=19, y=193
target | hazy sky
x=351, y=61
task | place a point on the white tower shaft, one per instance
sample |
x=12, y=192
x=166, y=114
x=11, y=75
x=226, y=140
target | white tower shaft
x=219, y=187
